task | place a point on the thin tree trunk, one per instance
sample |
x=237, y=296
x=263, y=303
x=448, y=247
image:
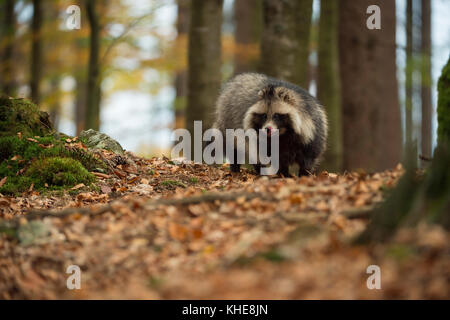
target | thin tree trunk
x=426, y=79
x=8, y=30
x=80, y=104
x=248, y=21
x=204, y=75
x=371, y=112
x=181, y=75
x=409, y=72
x=36, y=51
x=92, y=119
x=55, y=103
x=443, y=105
x=285, y=40
x=328, y=84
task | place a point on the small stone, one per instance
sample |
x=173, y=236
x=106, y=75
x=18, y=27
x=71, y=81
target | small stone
x=97, y=140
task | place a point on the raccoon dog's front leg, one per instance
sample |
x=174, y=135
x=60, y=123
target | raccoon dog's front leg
x=284, y=170
x=257, y=168
x=305, y=167
x=235, y=166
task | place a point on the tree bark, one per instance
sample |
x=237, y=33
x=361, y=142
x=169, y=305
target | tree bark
x=181, y=75
x=371, y=113
x=36, y=51
x=285, y=40
x=426, y=143
x=409, y=73
x=248, y=22
x=92, y=117
x=328, y=82
x=443, y=108
x=7, y=30
x=204, y=75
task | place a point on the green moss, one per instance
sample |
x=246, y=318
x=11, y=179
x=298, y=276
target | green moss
x=39, y=156
x=173, y=183
x=443, y=108
x=20, y=115
x=58, y=172
x=193, y=180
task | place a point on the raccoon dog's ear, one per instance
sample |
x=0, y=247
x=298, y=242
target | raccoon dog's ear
x=267, y=93
x=285, y=95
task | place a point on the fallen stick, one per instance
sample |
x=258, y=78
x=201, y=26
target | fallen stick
x=211, y=197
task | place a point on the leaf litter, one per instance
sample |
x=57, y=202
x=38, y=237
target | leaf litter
x=162, y=229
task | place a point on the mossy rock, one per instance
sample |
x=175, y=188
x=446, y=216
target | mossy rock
x=97, y=140
x=20, y=115
x=59, y=172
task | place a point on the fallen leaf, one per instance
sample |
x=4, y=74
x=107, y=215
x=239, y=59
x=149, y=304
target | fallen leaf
x=105, y=188
x=78, y=186
x=177, y=232
x=4, y=202
x=3, y=181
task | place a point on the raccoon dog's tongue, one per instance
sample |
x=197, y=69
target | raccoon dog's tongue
x=269, y=131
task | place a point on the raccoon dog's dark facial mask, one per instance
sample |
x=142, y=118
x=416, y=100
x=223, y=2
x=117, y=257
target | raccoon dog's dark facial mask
x=271, y=121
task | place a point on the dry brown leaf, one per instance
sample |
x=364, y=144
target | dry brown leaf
x=4, y=202
x=105, y=188
x=101, y=175
x=177, y=232
x=296, y=198
x=3, y=181
x=78, y=186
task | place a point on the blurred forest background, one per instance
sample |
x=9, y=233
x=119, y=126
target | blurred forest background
x=138, y=69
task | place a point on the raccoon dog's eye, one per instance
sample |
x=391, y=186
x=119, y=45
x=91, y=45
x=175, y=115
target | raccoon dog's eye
x=279, y=116
x=260, y=116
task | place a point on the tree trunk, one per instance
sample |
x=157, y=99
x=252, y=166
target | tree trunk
x=409, y=73
x=443, y=108
x=285, y=40
x=371, y=113
x=7, y=30
x=248, y=22
x=426, y=80
x=80, y=104
x=328, y=84
x=416, y=198
x=92, y=119
x=36, y=51
x=204, y=75
x=181, y=75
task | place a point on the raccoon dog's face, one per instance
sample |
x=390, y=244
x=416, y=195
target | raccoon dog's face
x=274, y=110
x=270, y=121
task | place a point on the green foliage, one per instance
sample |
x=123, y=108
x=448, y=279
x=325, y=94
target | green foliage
x=173, y=183
x=443, y=108
x=193, y=180
x=20, y=115
x=19, y=156
x=56, y=171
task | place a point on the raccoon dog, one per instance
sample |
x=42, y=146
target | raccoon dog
x=252, y=100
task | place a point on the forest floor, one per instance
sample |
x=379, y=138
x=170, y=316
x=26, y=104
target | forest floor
x=161, y=229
